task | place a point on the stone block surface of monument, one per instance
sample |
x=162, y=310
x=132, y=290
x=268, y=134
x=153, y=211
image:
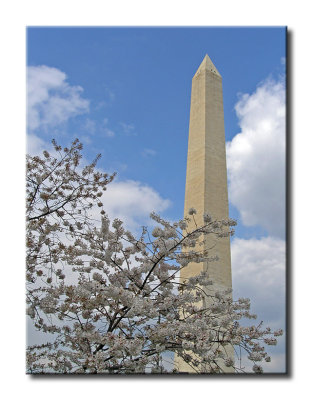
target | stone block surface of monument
x=206, y=176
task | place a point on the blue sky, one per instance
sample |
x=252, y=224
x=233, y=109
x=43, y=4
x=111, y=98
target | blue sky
x=144, y=78
x=125, y=92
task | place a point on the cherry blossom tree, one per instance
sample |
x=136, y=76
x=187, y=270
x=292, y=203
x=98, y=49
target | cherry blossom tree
x=113, y=302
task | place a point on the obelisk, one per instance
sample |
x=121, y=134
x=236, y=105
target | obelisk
x=206, y=177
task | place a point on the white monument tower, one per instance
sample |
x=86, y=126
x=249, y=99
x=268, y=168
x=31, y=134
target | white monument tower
x=206, y=178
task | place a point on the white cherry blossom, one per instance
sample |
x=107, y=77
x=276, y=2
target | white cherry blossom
x=112, y=302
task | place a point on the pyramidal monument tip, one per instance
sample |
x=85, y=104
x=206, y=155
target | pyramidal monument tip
x=208, y=65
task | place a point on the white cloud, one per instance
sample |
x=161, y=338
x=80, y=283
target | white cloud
x=51, y=100
x=132, y=202
x=86, y=139
x=90, y=126
x=128, y=129
x=258, y=267
x=108, y=132
x=149, y=152
x=256, y=159
x=36, y=145
x=277, y=364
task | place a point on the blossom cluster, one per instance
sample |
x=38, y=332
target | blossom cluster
x=114, y=303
